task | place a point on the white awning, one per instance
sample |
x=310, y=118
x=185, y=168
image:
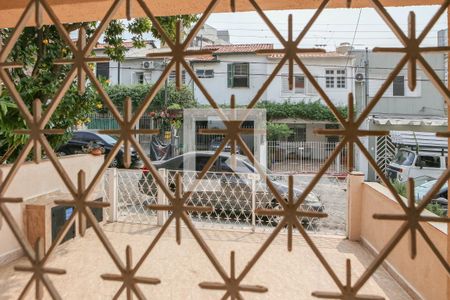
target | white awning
x=411, y=122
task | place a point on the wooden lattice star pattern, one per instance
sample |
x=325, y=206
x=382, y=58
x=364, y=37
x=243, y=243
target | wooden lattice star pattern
x=347, y=292
x=40, y=272
x=179, y=52
x=82, y=203
x=127, y=131
x=412, y=46
x=351, y=133
x=4, y=199
x=290, y=213
x=37, y=131
x=81, y=60
x=232, y=284
x=413, y=217
x=7, y=65
x=179, y=208
x=129, y=279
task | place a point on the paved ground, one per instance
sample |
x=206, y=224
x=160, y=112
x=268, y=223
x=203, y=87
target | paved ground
x=287, y=275
x=333, y=194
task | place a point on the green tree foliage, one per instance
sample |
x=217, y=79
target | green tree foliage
x=300, y=110
x=40, y=78
x=184, y=98
x=277, y=131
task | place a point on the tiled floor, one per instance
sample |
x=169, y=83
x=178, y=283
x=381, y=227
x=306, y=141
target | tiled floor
x=287, y=275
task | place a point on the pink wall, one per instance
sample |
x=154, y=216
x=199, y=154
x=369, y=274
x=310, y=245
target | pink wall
x=36, y=179
x=424, y=275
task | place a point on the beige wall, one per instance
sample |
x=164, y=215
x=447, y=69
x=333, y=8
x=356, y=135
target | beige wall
x=425, y=275
x=36, y=179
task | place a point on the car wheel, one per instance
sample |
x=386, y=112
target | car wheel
x=61, y=153
x=114, y=163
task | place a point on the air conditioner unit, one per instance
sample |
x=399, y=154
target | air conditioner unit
x=359, y=77
x=148, y=65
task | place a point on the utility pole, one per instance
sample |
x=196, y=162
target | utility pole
x=366, y=77
x=166, y=95
x=118, y=73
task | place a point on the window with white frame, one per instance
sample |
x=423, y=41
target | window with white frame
x=238, y=75
x=398, y=86
x=329, y=79
x=299, y=84
x=139, y=78
x=341, y=82
x=173, y=75
x=335, y=79
x=204, y=73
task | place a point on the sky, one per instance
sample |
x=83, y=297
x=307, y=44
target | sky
x=360, y=27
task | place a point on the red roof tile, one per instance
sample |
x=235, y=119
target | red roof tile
x=229, y=49
x=239, y=48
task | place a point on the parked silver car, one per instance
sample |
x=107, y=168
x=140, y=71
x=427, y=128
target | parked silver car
x=225, y=187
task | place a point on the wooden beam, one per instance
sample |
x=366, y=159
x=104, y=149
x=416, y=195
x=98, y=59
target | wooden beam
x=70, y=11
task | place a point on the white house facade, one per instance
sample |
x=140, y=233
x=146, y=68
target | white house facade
x=240, y=70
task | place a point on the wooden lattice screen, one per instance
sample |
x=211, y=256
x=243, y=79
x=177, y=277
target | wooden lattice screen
x=234, y=282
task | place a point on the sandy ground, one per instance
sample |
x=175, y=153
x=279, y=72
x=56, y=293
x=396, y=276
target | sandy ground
x=287, y=275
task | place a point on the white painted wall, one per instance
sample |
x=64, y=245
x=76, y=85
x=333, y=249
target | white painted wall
x=260, y=69
x=316, y=66
x=218, y=86
x=29, y=182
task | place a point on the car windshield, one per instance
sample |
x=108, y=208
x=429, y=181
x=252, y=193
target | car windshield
x=422, y=180
x=107, y=138
x=423, y=189
x=404, y=158
x=253, y=169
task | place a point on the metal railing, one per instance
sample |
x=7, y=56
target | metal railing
x=303, y=157
x=234, y=197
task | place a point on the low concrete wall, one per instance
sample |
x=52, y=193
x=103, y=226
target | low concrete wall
x=37, y=179
x=424, y=277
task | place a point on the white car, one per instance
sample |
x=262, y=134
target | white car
x=410, y=164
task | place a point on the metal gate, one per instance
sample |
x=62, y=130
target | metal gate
x=385, y=151
x=235, y=198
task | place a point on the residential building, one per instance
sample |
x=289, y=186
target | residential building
x=241, y=71
x=209, y=35
x=136, y=69
x=443, y=42
x=400, y=109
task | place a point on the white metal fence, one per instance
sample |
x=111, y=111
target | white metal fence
x=234, y=197
x=303, y=157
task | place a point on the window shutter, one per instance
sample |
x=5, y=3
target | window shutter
x=230, y=75
x=284, y=84
x=248, y=74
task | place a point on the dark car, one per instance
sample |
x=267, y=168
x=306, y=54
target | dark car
x=215, y=144
x=81, y=139
x=232, y=185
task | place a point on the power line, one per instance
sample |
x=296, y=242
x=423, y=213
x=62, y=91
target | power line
x=276, y=63
x=354, y=36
